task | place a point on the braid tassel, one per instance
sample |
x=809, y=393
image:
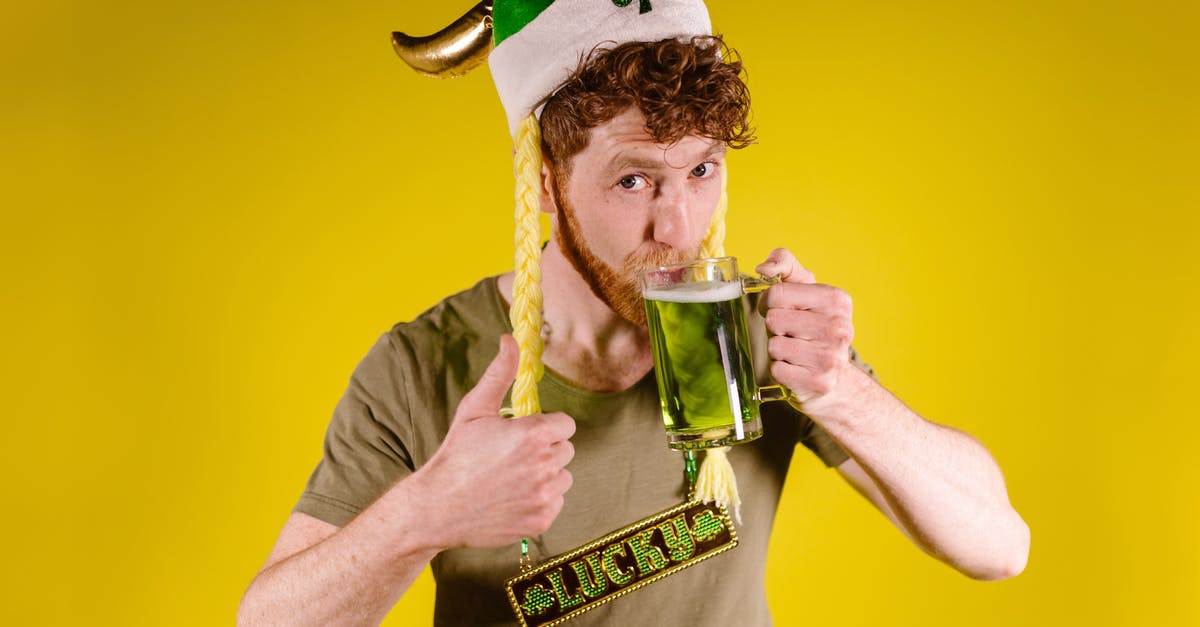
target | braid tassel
x=526, y=311
x=716, y=482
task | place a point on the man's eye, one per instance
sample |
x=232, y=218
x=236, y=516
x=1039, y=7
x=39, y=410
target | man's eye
x=704, y=170
x=632, y=182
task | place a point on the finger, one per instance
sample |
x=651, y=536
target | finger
x=802, y=353
x=487, y=395
x=789, y=374
x=550, y=428
x=803, y=382
x=561, y=482
x=561, y=453
x=783, y=264
x=810, y=325
x=819, y=297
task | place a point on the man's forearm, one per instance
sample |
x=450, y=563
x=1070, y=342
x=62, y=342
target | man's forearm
x=353, y=577
x=943, y=486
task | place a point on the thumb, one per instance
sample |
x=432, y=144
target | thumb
x=783, y=264
x=487, y=395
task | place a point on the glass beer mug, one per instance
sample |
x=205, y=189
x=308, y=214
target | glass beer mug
x=696, y=315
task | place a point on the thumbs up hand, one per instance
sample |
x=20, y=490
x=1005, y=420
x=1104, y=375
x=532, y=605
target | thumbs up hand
x=496, y=480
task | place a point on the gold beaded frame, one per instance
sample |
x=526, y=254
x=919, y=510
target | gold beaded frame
x=591, y=575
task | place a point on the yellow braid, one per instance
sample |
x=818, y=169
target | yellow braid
x=714, y=239
x=526, y=311
x=716, y=482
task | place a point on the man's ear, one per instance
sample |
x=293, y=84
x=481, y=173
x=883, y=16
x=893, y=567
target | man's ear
x=548, y=205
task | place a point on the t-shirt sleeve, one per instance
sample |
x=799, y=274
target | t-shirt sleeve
x=817, y=440
x=365, y=450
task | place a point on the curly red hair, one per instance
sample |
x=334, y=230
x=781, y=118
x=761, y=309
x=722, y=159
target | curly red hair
x=683, y=88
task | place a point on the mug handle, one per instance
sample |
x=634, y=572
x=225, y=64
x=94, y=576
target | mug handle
x=751, y=285
x=774, y=393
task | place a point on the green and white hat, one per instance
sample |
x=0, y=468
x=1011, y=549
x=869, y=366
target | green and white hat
x=539, y=43
x=532, y=46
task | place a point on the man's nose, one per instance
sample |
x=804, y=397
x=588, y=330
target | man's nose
x=674, y=218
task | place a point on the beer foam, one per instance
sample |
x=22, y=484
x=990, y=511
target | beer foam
x=700, y=292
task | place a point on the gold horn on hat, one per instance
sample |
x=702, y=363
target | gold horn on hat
x=452, y=51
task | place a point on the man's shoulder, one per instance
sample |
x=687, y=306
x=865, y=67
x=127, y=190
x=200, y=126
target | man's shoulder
x=454, y=327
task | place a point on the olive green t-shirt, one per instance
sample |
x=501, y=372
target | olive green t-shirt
x=400, y=402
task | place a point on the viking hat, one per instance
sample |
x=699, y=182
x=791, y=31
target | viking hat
x=533, y=46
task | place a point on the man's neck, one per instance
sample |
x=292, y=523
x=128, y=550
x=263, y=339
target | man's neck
x=587, y=343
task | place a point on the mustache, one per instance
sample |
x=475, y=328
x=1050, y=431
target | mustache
x=636, y=262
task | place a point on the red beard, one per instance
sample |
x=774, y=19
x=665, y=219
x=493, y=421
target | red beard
x=619, y=289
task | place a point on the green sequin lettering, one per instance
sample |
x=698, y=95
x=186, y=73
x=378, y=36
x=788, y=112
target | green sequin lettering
x=565, y=600
x=678, y=538
x=614, y=572
x=649, y=557
x=537, y=600
x=595, y=584
x=706, y=526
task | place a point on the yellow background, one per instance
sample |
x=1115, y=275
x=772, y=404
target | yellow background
x=212, y=209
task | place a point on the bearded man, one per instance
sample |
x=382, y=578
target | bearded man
x=626, y=151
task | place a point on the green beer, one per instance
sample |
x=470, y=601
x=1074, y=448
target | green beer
x=702, y=363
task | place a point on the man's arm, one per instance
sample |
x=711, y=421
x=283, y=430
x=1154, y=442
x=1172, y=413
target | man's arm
x=940, y=486
x=948, y=516
x=318, y=574
x=491, y=482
